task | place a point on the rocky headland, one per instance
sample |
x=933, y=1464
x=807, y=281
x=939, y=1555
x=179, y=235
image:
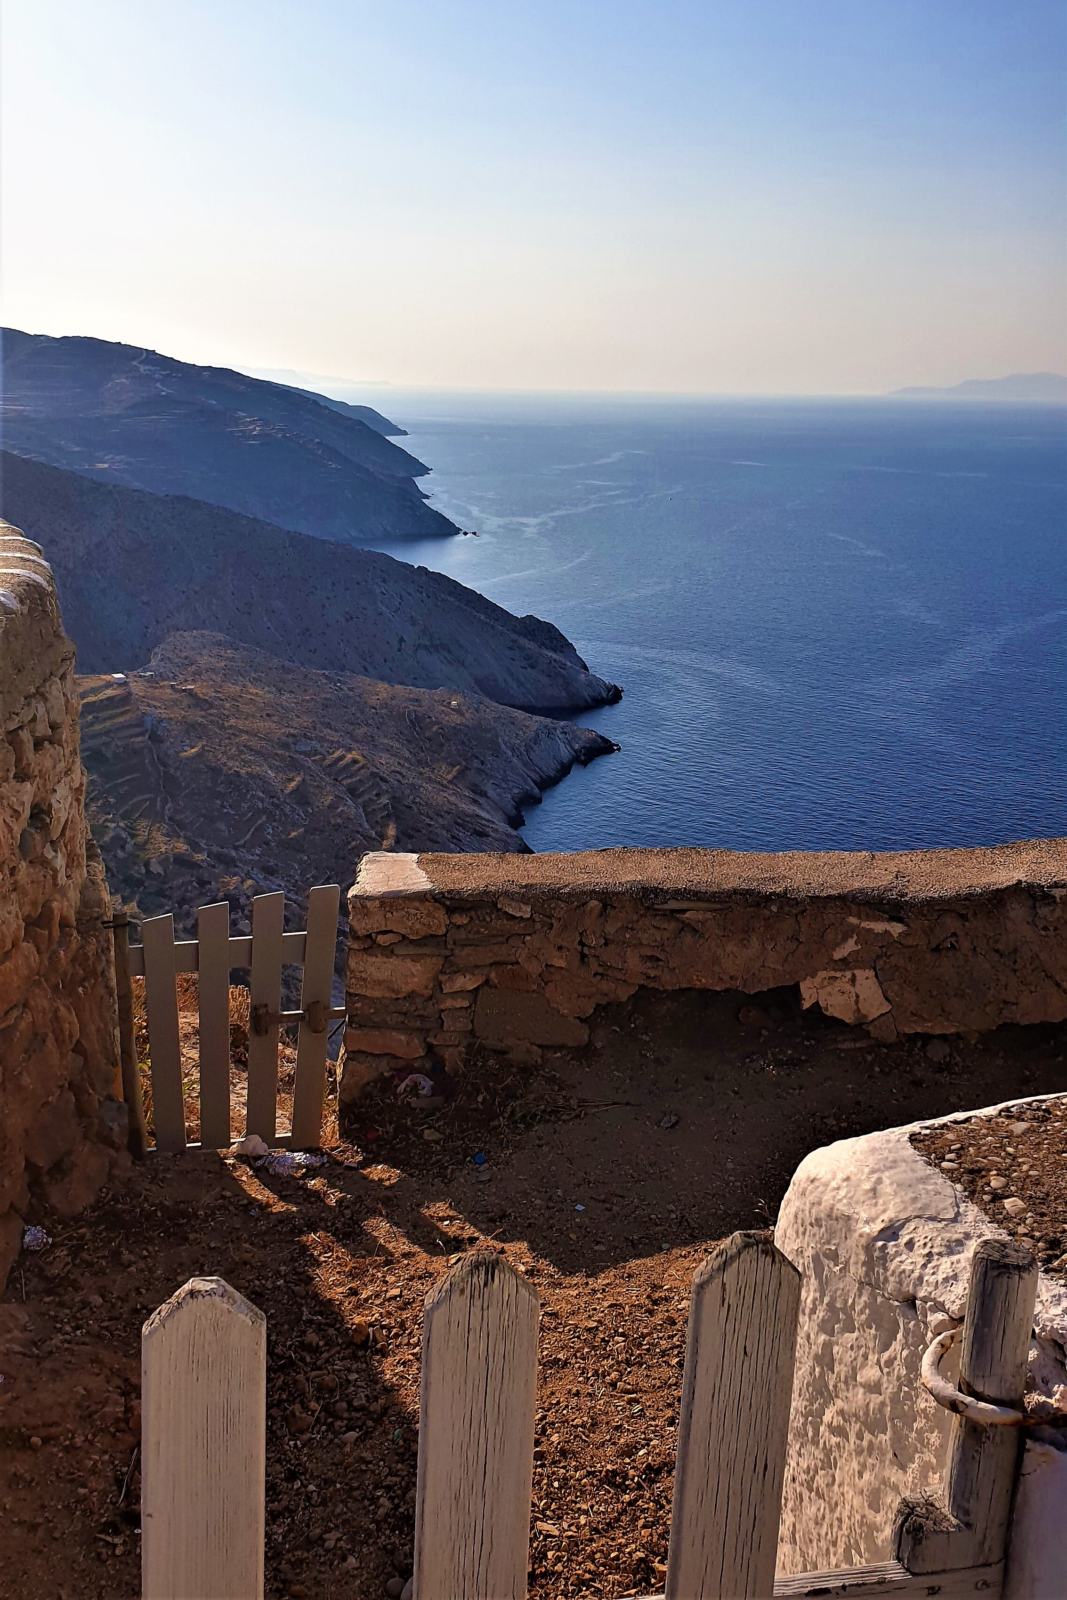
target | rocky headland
x=132, y=416
x=222, y=771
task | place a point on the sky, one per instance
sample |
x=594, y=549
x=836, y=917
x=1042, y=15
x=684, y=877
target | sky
x=696, y=196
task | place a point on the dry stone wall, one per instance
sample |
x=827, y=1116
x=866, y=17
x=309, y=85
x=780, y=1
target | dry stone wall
x=60, y=1129
x=515, y=953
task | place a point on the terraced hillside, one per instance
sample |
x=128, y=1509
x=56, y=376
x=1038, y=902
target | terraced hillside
x=221, y=772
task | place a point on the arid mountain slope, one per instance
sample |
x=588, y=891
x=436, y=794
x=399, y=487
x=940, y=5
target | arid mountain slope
x=221, y=772
x=135, y=417
x=134, y=567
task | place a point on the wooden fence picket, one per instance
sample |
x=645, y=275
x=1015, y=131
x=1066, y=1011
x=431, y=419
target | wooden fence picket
x=161, y=1003
x=475, y=1473
x=733, y=1426
x=315, y=996
x=203, y=1430
x=213, y=985
x=268, y=915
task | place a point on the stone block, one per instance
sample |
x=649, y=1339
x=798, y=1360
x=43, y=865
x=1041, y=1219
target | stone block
x=486, y=955
x=502, y=1018
x=53, y=1133
x=17, y=971
x=76, y=1182
x=458, y=982
x=391, y=977
x=517, y=979
x=414, y=918
x=358, y=1068
x=852, y=995
x=384, y=1042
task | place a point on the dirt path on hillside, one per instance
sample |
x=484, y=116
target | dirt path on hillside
x=609, y=1174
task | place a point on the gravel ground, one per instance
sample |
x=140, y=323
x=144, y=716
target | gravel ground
x=1013, y=1165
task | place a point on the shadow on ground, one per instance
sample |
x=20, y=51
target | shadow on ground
x=607, y=1175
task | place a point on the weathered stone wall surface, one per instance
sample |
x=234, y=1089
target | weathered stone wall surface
x=60, y=1131
x=883, y=1243
x=516, y=952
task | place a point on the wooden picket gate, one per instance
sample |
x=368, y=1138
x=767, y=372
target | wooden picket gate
x=212, y=955
x=204, y=1430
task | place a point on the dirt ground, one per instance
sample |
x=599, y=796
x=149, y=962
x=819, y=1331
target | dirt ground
x=608, y=1174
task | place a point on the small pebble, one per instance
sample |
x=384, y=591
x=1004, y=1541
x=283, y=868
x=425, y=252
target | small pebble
x=394, y=1588
x=997, y=1182
x=1014, y=1207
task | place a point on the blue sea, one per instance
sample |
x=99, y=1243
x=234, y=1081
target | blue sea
x=839, y=625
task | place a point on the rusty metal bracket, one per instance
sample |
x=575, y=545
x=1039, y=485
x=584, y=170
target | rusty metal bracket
x=317, y=1016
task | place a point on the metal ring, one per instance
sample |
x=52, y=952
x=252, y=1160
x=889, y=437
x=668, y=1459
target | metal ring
x=955, y=1400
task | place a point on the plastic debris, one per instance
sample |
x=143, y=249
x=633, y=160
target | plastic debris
x=290, y=1163
x=416, y=1083
x=35, y=1238
x=251, y=1146
x=579, y=1208
x=669, y=1121
x=480, y=1158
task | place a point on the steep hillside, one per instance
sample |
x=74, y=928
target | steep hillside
x=135, y=417
x=134, y=567
x=221, y=771
x=347, y=408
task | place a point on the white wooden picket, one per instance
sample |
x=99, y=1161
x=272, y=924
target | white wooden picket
x=203, y=1455
x=203, y=1420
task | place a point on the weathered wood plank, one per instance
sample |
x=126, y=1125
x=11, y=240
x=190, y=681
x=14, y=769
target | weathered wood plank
x=888, y=1578
x=203, y=1446
x=161, y=1003
x=479, y=1375
x=268, y=912
x=213, y=985
x=186, y=953
x=969, y=1527
x=733, y=1424
x=128, y=1068
x=316, y=990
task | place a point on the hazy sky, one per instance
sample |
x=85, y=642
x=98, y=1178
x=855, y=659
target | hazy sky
x=722, y=196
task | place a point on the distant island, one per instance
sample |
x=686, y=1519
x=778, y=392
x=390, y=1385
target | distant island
x=1034, y=388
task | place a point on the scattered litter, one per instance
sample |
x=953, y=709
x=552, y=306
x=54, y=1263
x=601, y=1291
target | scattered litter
x=579, y=1208
x=483, y=1174
x=480, y=1158
x=416, y=1083
x=290, y=1163
x=251, y=1146
x=669, y=1121
x=35, y=1238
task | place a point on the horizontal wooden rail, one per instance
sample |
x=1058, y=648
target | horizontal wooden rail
x=187, y=953
x=888, y=1578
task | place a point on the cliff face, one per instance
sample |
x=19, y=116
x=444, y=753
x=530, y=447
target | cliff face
x=134, y=567
x=221, y=770
x=59, y=1129
x=132, y=416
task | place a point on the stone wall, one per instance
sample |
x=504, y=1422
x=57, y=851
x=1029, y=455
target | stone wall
x=516, y=952
x=60, y=1130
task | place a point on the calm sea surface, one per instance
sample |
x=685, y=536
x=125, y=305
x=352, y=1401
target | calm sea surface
x=838, y=625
